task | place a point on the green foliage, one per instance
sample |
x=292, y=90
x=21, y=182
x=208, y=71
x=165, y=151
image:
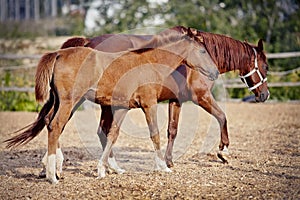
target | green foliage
x=285, y=93
x=18, y=101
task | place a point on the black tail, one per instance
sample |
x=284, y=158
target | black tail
x=35, y=128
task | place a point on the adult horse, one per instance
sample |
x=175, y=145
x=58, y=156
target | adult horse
x=145, y=78
x=229, y=54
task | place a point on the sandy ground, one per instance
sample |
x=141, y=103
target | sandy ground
x=264, y=157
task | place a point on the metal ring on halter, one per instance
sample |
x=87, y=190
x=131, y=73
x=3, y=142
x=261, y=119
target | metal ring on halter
x=262, y=80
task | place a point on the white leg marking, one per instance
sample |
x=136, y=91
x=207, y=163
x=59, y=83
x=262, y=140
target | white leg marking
x=44, y=163
x=101, y=169
x=59, y=161
x=112, y=163
x=160, y=163
x=225, y=151
x=51, y=169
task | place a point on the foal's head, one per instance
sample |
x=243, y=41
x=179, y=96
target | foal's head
x=198, y=56
x=255, y=76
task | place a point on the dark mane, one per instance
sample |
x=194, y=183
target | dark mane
x=227, y=53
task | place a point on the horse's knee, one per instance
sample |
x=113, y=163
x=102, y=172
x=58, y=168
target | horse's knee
x=222, y=119
x=156, y=141
x=113, y=133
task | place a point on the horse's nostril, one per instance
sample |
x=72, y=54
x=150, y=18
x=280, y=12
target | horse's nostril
x=214, y=75
x=264, y=97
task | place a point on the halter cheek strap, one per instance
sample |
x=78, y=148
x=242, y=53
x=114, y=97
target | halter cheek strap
x=255, y=70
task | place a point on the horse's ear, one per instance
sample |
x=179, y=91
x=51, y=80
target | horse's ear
x=260, y=45
x=189, y=32
x=192, y=32
x=200, y=38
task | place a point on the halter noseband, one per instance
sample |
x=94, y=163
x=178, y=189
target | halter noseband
x=262, y=80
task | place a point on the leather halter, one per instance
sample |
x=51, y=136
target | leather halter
x=255, y=70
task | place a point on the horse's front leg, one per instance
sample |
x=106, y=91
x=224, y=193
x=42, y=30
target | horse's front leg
x=118, y=117
x=151, y=118
x=174, y=111
x=209, y=104
x=104, y=127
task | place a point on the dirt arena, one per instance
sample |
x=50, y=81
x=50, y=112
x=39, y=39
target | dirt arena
x=264, y=157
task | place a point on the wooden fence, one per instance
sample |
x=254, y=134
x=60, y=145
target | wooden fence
x=231, y=83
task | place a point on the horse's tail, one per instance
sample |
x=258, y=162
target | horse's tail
x=43, y=76
x=43, y=80
x=35, y=128
x=75, y=42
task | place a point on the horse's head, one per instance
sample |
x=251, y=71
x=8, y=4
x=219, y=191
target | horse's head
x=198, y=56
x=255, y=77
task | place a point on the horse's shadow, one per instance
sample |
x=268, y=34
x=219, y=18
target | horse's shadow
x=26, y=164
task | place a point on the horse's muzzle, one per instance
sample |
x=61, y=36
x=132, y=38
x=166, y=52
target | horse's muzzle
x=213, y=75
x=263, y=96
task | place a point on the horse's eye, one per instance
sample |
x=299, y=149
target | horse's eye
x=202, y=51
x=266, y=67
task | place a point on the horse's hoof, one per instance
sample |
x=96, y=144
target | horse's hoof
x=59, y=175
x=120, y=171
x=223, y=158
x=169, y=163
x=167, y=169
x=42, y=174
x=223, y=155
x=53, y=181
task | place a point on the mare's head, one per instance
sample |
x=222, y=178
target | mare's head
x=255, y=75
x=198, y=57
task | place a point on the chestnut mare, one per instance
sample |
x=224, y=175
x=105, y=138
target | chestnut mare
x=229, y=54
x=79, y=73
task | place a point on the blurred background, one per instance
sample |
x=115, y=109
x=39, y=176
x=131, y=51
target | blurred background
x=30, y=28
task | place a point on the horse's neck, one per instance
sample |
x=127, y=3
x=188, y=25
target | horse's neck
x=175, y=48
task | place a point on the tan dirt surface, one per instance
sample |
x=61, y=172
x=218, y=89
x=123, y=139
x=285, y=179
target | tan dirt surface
x=264, y=157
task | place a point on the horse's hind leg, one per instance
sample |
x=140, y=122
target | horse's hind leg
x=174, y=111
x=59, y=163
x=118, y=117
x=104, y=127
x=60, y=156
x=55, y=128
x=151, y=118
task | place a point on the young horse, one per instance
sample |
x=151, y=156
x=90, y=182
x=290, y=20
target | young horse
x=76, y=73
x=229, y=54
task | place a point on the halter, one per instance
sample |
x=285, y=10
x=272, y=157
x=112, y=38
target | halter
x=262, y=80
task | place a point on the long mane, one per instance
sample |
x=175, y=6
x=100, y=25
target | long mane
x=228, y=53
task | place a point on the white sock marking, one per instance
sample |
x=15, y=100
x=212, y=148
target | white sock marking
x=114, y=165
x=51, y=165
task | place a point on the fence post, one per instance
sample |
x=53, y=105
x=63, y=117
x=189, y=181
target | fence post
x=3, y=7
